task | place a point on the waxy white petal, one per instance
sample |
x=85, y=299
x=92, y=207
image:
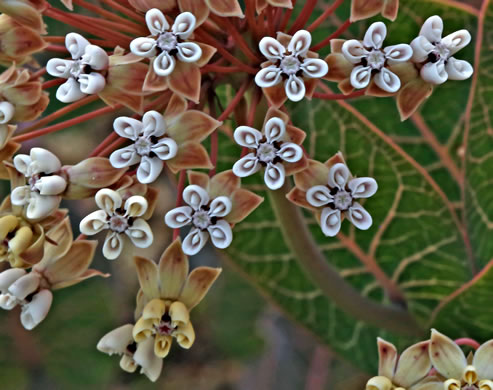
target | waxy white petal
x=354, y=51
x=398, y=53
x=300, y=43
x=165, y=149
x=136, y=206
x=20, y=195
x=41, y=206
x=124, y=157
x=108, y=200
x=153, y=124
x=25, y=285
x=76, y=44
x=143, y=47
x=36, y=310
x=221, y=234
x=7, y=111
x=360, y=76
x=95, y=57
x=220, y=207
x=387, y=80
x=271, y=49
x=247, y=137
x=164, y=64
x=113, y=245
x=375, y=35
x=156, y=22
x=184, y=25
x=8, y=301
x=94, y=223
x=43, y=161
x=194, y=242
x=432, y=29
x=117, y=340
x=319, y=196
x=456, y=41
x=268, y=76
x=178, y=217
x=434, y=73
x=140, y=233
x=195, y=196
x=274, y=176
x=295, y=89
x=290, y=152
x=338, y=175
x=69, y=91
x=314, y=68
x=246, y=166
x=330, y=221
x=359, y=216
x=189, y=52
x=274, y=130
x=57, y=67
x=363, y=187
x=51, y=185
x=421, y=48
x=149, y=169
x=92, y=83
x=458, y=69
x=127, y=127
x=149, y=363
x=9, y=276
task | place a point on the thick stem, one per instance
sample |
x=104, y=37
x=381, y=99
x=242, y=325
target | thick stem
x=334, y=35
x=328, y=280
x=329, y=11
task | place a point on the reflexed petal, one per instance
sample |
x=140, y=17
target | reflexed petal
x=153, y=124
x=22, y=241
x=194, y=242
x=359, y=216
x=43, y=161
x=290, y=152
x=338, y=175
x=274, y=176
x=96, y=57
x=319, y=196
x=274, y=129
x=268, y=76
x=387, y=358
x=173, y=270
x=221, y=234
x=165, y=149
x=379, y=383
x=117, y=340
x=363, y=187
x=314, y=67
x=69, y=91
x=20, y=195
x=247, y=137
x=446, y=356
x=136, y=206
x=330, y=221
x=295, y=88
x=164, y=64
x=185, y=335
x=76, y=44
x=398, y=53
x=9, y=276
x=108, y=200
x=179, y=314
x=178, y=217
x=22, y=163
x=483, y=360
x=387, y=80
x=300, y=43
x=154, y=310
x=246, y=166
x=354, y=51
x=156, y=22
x=413, y=365
x=150, y=364
x=360, y=76
x=25, y=285
x=113, y=245
x=162, y=345
x=149, y=169
x=421, y=48
x=94, y=223
x=484, y=384
x=41, y=206
x=8, y=301
x=148, y=274
x=189, y=52
x=143, y=47
x=140, y=234
x=51, y=185
x=127, y=127
x=125, y=157
x=220, y=207
x=36, y=310
x=92, y=83
x=457, y=41
x=57, y=67
x=434, y=73
x=142, y=329
x=184, y=25
x=458, y=69
x=271, y=49
x=375, y=35
x=432, y=29
x=197, y=285
x=195, y=196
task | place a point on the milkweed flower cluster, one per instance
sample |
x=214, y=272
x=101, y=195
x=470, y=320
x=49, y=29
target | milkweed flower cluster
x=183, y=68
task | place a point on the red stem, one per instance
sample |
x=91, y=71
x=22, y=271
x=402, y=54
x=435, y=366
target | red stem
x=37, y=74
x=338, y=96
x=329, y=11
x=334, y=35
x=469, y=342
x=52, y=83
x=231, y=106
x=57, y=48
x=220, y=69
x=286, y=17
x=107, y=141
x=179, y=198
x=303, y=16
x=125, y=10
x=250, y=16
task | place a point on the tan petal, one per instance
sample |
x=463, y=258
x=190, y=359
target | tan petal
x=339, y=68
x=315, y=174
x=173, y=270
x=446, y=356
x=311, y=86
x=197, y=7
x=243, y=203
x=154, y=82
x=33, y=111
x=113, y=96
x=198, y=178
x=197, y=285
x=191, y=155
x=34, y=253
x=379, y=383
x=21, y=41
x=179, y=314
x=225, y=7
x=387, y=358
x=185, y=335
x=364, y=9
x=275, y=95
x=411, y=96
x=275, y=113
x=154, y=310
x=152, y=197
x=413, y=365
x=299, y=166
x=162, y=345
x=148, y=275
x=25, y=13
x=192, y=125
x=390, y=9
x=24, y=94
x=90, y=273
x=345, y=86
x=224, y=183
x=336, y=46
x=298, y=197
x=176, y=106
x=142, y=329
x=6, y=153
x=483, y=360
x=146, y=5
x=207, y=53
x=295, y=135
x=60, y=241
x=185, y=80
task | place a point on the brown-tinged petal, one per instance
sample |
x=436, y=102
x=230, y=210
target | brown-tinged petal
x=275, y=113
x=374, y=90
x=59, y=241
x=411, y=96
x=413, y=365
x=345, y=86
x=113, y=96
x=152, y=197
x=20, y=42
x=336, y=46
x=198, y=178
x=31, y=112
x=390, y=9
x=146, y=5
x=310, y=86
x=207, y=53
x=225, y=7
x=339, y=67
x=281, y=3
x=24, y=13
x=185, y=80
x=243, y=203
x=483, y=360
x=197, y=7
x=173, y=270
x=162, y=345
x=6, y=153
x=224, y=183
x=364, y=9
x=191, y=155
x=90, y=273
x=315, y=174
x=446, y=356
x=153, y=82
x=179, y=314
x=197, y=285
x=185, y=335
x=143, y=329
x=298, y=197
x=192, y=125
x=298, y=166
x=295, y=135
x=275, y=95
x=148, y=274
x=154, y=310
x=24, y=94
x=177, y=105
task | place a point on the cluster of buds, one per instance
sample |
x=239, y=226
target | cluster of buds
x=166, y=61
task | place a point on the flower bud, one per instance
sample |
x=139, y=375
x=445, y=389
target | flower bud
x=51, y=185
x=37, y=310
x=25, y=285
x=7, y=111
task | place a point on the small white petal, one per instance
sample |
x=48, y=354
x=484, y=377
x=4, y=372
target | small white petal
x=184, y=25
x=25, y=285
x=36, y=310
x=319, y=196
x=8, y=301
x=300, y=43
x=140, y=234
x=113, y=245
x=194, y=242
x=69, y=91
x=290, y=152
x=274, y=176
x=108, y=200
x=164, y=64
x=127, y=127
x=136, y=206
x=149, y=169
x=20, y=196
x=95, y=57
x=165, y=149
x=432, y=29
x=421, y=48
x=274, y=129
x=57, y=67
x=295, y=88
x=150, y=364
x=22, y=162
x=188, y=52
x=398, y=53
x=195, y=196
x=271, y=49
x=41, y=206
x=76, y=44
x=314, y=68
x=457, y=40
x=94, y=223
x=363, y=187
x=153, y=124
x=51, y=185
x=387, y=80
x=221, y=234
x=246, y=166
x=220, y=207
x=434, y=73
x=359, y=216
x=156, y=22
x=178, y=217
x=92, y=83
x=360, y=76
x=458, y=69
x=117, y=340
x=124, y=157
x=143, y=47
x=247, y=137
x=338, y=176
x=354, y=51
x=43, y=161
x=330, y=221
x=268, y=76
x=375, y=35
x=9, y=276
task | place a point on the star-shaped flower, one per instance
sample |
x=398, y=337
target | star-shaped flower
x=213, y=206
x=331, y=191
x=290, y=63
x=435, y=53
x=276, y=149
x=371, y=60
x=84, y=74
x=121, y=219
x=44, y=185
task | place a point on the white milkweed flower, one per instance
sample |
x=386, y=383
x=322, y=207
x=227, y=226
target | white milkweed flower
x=167, y=44
x=290, y=65
x=83, y=72
x=271, y=150
x=7, y=111
x=205, y=216
x=339, y=197
x=435, y=53
x=371, y=59
x=42, y=192
x=121, y=219
x=150, y=145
